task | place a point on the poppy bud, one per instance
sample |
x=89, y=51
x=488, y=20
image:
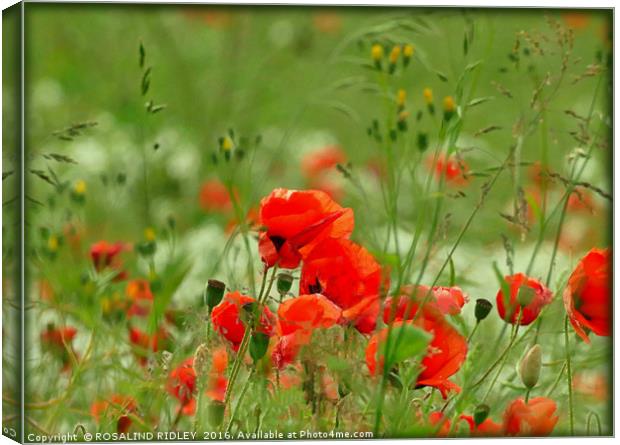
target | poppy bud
x=483, y=307
x=285, y=281
x=376, y=53
x=201, y=360
x=449, y=107
x=215, y=413
x=481, y=412
x=422, y=141
x=529, y=368
x=215, y=293
x=407, y=53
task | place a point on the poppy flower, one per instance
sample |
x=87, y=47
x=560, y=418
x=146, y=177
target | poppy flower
x=214, y=197
x=297, y=319
x=527, y=298
x=226, y=318
x=144, y=343
x=587, y=296
x=348, y=275
x=320, y=161
x=440, y=422
x=217, y=381
x=486, y=428
x=580, y=201
x=295, y=221
x=105, y=255
x=141, y=297
x=594, y=386
x=327, y=22
x=447, y=300
x=534, y=418
x=59, y=341
x=453, y=170
x=116, y=407
x=444, y=357
x=576, y=20
x=306, y=313
x=182, y=385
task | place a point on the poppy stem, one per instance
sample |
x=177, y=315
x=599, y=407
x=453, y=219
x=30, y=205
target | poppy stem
x=471, y=334
x=243, y=391
x=569, y=379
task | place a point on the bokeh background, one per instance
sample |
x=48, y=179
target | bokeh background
x=298, y=79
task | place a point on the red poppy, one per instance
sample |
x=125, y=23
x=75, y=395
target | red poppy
x=594, y=386
x=59, y=341
x=116, y=407
x=453, y=170
x=327, y=22
x=105, y=255
x=297, y=319
x=182, y=385
x=576, y=20
x=217, y=381
x=486, y=428
x=141, y=297
x=587, y=296
x=306, y=313
x=322, y=160
x=348, y=275
x=580, y=201
x=214, y=197
x=144, y=343
x=445, y=355
x=440, y=422
x=295, y=221
x=447, y=300
x=226, y=318
x=534, y=418
x=524, y=289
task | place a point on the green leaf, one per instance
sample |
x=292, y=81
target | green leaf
x=258, y=345
x=408, y=341
x=174, y=276
x=479, y=100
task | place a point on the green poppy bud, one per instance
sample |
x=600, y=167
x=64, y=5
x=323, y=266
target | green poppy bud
x=529, y=368
x=481, y=412
x=525, y=296
x=483, y=307
x=215, y=413
x=285, y=282
x=215, y=293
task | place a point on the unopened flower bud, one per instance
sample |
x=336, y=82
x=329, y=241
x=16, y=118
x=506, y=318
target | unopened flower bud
x=285, y=282
x=201, y=360
x=449, y=107
x=529, y=368
x=215, y=293
x=215, y=413
x=481, y=412
x=483, y=308
x=376, y=52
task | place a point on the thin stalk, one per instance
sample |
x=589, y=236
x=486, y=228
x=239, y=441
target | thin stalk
x=569, y=379
x=243, y=391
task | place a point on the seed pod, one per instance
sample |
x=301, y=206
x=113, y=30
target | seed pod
x=483, y=307
x=529, y=368
x=285, y=281
x=215, y=293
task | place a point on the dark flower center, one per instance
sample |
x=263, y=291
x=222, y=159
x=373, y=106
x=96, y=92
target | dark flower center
x=315, y=288
x=277, y=241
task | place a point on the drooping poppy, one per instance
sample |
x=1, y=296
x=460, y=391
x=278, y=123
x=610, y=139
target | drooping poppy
x=105, y=255
x=527, y=298
x=182, y=385
x=534, y=418
x=348, y=275
x=587, y=296
x=59, y=341
x=117, y=407
x=140, y=296
x=454, y=170
x=226, y=318
x=214, y=197
x=284, y=349
x=445, y=354
x=295, y=221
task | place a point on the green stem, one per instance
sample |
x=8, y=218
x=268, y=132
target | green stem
x=569, y=379
x=243, y=391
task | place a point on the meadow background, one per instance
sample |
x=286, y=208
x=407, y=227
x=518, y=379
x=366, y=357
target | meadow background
x=296, y=79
